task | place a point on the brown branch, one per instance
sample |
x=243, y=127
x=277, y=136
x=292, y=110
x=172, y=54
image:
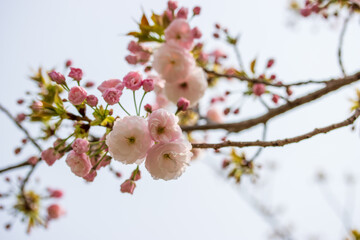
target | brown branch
x=341, y=40
x=332, y=85
x=258, y=80
x=283, y=142
x=14, y=167
x=3, y=109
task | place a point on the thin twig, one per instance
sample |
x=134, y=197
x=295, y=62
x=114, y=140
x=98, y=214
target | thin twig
x=258, y=152
x=3, y=109
x=14, y=167
x=283, y=142
x=341, y=40
x=258, y=80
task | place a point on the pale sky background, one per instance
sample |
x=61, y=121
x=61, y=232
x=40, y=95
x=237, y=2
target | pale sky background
x=201, y=204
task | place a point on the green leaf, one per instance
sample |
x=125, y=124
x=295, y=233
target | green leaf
x=252, y=66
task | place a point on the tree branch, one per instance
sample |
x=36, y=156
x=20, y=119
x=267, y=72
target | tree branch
x=341, y=40
x=3, y=109
x=332, y=85
x=14, y=167
x=283, y=142
x=257, y=80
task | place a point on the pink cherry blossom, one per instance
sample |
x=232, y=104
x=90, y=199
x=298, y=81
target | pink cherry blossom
x=76, y=73
x=112, y=96
x=148, y=85
x=173, y=62
x=214, y=114
x=50, y=156
x=128, y=186
x=168, y=160
x=134, y=47
x=192, y=87
x=79, y=164
x=129, y=140
x=92, y=100
x=133, y=80
x=57, y=77
x=112, y=83
x=77, y=95
x=182, y=13
x=180, y=32
x=163, y=126
x=80, y=146
x=55, y=211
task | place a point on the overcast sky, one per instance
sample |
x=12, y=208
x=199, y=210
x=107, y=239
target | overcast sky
x=201, y=204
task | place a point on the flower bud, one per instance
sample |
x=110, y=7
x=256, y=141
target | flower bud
x=76, y=73
x=92, y=100
x=275, y=98
x=57, y=77
x=172, y=5
x=68, y=63
x=182, y=13
x=148, y=85
x=259, y=89
x=148, y=108
x=128, y=186
x=112, y=95
x=183, y=104
x=196, y=10
x=77, y=95
x=196, y=33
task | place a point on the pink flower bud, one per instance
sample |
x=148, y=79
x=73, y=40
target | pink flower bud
x=112, y=95
x=215, y=115
x=196, y=10
x=128, y=186
x=172, y=5
x=89, y=84
x=148, y=85
x=20, y=117
x=80, y=146
x=36, y=106
x=131, y=59
x=148, y=108
x=76, y=73
x=275, y=98
x=33, y=160
x=91, y=176
x=57, y=77
x=136, y=175
x=182, y=13
x=20, y=101
x=68, y=63
x=134, y=47
x=305, y=12
x=259, y=89
x=77, y=95
x=169, y=15
x=55, y=193
x=79, y=164
x=196, y=33
x=55, y=211
x=270, y=63
x=289, y=91
x=183, y=104
x=50, y=156
x=133, y=80
x=92, y=100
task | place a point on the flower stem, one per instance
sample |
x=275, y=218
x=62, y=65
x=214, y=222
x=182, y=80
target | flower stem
x=141, y=102
x=135, y=104
x=124, y=109
x=97, y=164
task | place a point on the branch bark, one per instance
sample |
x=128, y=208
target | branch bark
x=331, y=86
x=283, y=142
